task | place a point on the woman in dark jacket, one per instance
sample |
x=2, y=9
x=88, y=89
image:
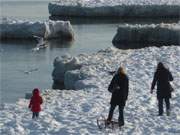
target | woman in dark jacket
x=119, y=87
x=162, y=77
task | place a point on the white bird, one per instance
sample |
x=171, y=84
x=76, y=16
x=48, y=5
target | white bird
x=29, y=71
x=41, y=43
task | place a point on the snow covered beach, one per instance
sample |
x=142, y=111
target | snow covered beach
x=154, y=34
x=116, y=8
x=75, y=112
x=23, y=29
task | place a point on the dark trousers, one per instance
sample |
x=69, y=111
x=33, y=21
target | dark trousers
x=35, y=115
x=121, y=115
x=160, y=105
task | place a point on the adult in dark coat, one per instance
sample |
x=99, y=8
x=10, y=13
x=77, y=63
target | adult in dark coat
x=162, y=77
x=119, y=88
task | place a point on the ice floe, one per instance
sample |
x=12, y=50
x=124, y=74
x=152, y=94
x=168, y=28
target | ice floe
x=116, y=8
x=23, y=29
x=147, y=35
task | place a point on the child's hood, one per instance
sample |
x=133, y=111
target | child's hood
x=36, y=92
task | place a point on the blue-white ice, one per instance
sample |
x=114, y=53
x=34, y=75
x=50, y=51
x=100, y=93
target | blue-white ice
x=25, y=29
x=116, y=8
x=96, y=3
x=159, y=34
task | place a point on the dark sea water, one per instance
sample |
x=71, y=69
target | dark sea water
x=17, y=57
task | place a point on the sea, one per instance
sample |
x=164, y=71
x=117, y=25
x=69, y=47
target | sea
x=22, y=70
x=17, y=57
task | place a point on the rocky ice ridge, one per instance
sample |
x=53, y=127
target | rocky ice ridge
x=116, y=8
x=62, y=65
x=75, y=112
x=99, y=3
x=24, y=29
x=73, y=72
x=80, y=73
x=154, y=34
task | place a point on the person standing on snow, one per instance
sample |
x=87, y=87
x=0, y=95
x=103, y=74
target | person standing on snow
x=162, y=77
x=35, y=103
x=119, y=88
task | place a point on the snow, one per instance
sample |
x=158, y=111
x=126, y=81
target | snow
x=24, y=29
x=75, y=112
x=159, y=34
x=116, y=8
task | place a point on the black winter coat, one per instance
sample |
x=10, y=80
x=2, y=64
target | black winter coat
x=119, y=87
x=162, y=78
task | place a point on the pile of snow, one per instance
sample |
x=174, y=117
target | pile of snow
x=15, y=29
x=156, y=34
x=116, y=8
x=75, y=112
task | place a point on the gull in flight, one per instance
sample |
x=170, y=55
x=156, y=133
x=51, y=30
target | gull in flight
x=41, y=43
x=29, y=71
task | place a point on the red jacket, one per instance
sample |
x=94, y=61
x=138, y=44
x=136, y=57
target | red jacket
x=36, y=101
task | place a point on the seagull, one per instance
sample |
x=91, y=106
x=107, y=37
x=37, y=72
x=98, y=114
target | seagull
x=41, y=43
x=29, y=71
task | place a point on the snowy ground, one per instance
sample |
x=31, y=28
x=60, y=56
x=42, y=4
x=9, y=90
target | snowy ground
x=75, y=112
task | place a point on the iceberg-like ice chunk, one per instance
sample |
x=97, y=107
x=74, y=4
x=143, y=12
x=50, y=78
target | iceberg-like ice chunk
x=116, y=8
x=95, y=3
x=62, y=66
x=69, y=72
x=19, y=29
x=159, y=34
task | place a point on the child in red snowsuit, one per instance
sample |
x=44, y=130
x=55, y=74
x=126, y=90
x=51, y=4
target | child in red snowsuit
x=35, y=103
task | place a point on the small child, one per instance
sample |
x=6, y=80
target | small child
x=35, y=103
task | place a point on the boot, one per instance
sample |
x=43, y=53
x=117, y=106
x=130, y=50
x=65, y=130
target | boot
x=168, y=112
x=107, y=122
x=121, y=123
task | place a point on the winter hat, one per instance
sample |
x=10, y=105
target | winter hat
x=35, y=91
x=160, y=66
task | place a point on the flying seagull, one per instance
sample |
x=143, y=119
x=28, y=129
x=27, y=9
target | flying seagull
x=29, y=71
x=41, y=43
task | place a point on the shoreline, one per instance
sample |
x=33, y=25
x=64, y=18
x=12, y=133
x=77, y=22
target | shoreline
x=75, y=111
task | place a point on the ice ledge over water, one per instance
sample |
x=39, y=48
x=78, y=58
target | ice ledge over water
x=99, y=3
x=21, y=29
x=146, y=35
x=116, y=8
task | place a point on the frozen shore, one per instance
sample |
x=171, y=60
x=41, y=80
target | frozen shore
x=75, y=112
x=116, y=8
x=23, y=29
x=154, y=34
